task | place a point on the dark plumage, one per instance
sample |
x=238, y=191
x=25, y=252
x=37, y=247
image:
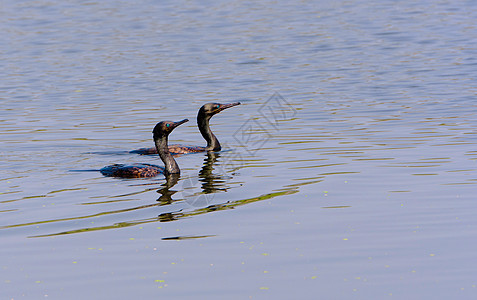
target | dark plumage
x=132, y=171
x=160, y=134
x=206, y=112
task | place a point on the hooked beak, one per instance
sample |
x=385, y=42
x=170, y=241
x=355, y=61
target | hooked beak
x=228, y=105
x=180, y=122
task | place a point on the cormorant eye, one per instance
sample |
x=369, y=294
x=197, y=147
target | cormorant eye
x=217, y=106
x=168, y=125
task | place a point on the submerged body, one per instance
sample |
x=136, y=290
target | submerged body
x=184, y=149
x=175, y=149
x=206, y=112
x=160, y=134
x=132, y=171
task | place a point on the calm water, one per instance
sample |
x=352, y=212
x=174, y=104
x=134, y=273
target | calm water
x=349, y=170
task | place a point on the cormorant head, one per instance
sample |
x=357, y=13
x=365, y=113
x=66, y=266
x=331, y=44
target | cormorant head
x=164, y=128
x=210, y=109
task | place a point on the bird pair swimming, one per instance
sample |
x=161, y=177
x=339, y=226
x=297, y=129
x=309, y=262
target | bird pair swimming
x=160, y=135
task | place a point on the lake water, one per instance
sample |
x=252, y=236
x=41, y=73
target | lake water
x=348, y=172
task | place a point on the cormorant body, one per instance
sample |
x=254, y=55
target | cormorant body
x=160, y=134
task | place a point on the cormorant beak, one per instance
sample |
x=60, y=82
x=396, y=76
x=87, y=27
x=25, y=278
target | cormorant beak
x=180, y=123
x=225, y=106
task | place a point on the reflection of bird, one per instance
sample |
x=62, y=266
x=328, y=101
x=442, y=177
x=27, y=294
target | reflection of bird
x=206, y=112
x=211, y=183
x=166, y=192
x=160, y=133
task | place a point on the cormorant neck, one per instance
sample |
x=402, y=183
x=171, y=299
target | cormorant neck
x=203, y=124
x=170, y=163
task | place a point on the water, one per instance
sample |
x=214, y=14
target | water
x=349, y=170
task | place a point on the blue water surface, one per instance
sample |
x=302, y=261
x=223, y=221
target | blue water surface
x=348, y=171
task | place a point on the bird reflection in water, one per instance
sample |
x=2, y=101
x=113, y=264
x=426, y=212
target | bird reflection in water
x=209, y=182
x=165, y=191
x=199, y=191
